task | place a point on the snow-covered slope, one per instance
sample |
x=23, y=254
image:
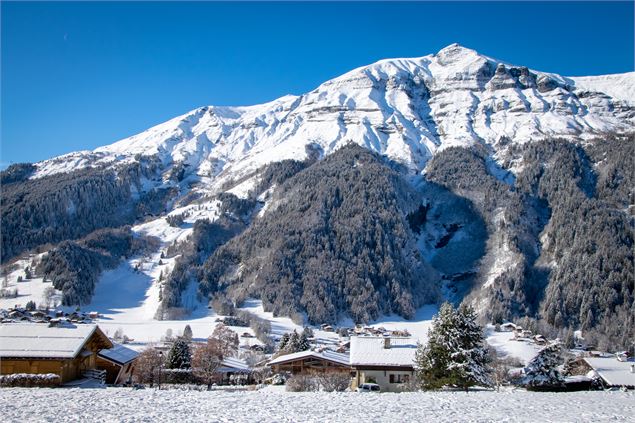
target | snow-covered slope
x=406, y=109
x=619, y=86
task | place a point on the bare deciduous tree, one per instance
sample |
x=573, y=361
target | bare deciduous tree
x=206, y=360
x=148, y=366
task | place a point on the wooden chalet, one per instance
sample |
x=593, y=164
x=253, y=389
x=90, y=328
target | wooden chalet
x=311, y=362
x=66, y=350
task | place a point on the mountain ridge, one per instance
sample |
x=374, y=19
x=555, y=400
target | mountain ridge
x=406, y=109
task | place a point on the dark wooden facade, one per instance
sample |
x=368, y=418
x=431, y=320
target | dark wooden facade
x=310, y=365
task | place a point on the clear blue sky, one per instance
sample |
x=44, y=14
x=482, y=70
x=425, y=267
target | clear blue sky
x=80, y=75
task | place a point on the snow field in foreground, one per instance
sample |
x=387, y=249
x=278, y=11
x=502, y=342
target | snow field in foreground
x=275, y=405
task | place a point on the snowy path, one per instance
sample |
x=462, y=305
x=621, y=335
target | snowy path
x=123, y=404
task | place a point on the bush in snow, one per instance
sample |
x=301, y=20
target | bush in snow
x=178, y=376
x=334, y=382
x=504, y=369
x=26, y=380
x=277, y=379
x=302, y=383
x=542, y=371
x=455, y=354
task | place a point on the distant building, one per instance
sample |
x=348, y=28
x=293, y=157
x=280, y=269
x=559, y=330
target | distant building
x=66, y=350
x=384, y=360
x=234, y=371
x=311, y=362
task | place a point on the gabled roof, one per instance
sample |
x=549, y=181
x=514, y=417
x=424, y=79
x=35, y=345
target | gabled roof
x=370, y=351
x=327, y=355
x=36, y=340
x=613, y=371
x=119, y=354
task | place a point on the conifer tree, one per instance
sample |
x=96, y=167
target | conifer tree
x=179, y=356
x=294, y=343
x=30, y=306
x=303, y=342
x=470, y=360
x=187, y=333
x=283, y=342
x=542, y=371
x=455, y=354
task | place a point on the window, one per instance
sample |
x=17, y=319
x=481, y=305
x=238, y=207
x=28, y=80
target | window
x=399, y=378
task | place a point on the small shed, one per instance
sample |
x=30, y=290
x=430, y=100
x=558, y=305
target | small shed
x=118, y=362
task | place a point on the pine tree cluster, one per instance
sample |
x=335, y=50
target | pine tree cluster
x=294, y=342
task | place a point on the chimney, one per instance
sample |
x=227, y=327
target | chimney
x=387, y=342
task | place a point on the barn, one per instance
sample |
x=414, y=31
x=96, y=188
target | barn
x=66, y=350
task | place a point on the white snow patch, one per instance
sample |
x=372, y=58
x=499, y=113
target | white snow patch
x=507, y=346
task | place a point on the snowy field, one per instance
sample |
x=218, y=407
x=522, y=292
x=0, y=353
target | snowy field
x=272, y=405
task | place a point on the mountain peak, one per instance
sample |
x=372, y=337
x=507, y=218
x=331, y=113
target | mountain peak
x=453, y=46
x=455, y=49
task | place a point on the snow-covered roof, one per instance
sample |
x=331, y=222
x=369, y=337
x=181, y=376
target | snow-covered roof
x=371, y=351
x=119, y=354
x=231, y=364
x=613, y=371
x=41, y=341
x=328, y=355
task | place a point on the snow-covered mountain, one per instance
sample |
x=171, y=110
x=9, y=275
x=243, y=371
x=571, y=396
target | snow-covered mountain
x=520, y=225
x=406, y=109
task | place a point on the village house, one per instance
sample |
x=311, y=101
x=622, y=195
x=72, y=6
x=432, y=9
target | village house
x=234, y=371
x=384, y=360
x=66, y=350
x=311, y=362
x=613, y=371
